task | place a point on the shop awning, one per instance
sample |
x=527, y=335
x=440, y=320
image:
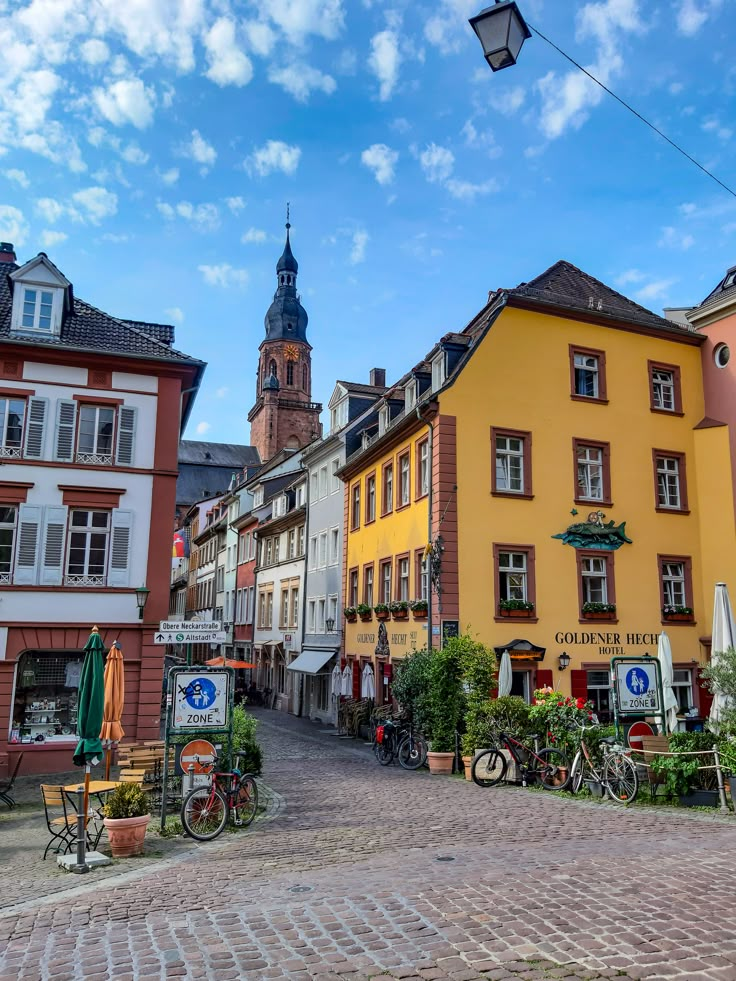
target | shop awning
x=312, y=659
x=521, y=650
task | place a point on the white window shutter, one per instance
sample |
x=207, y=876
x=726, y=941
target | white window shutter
x=66, y=418
x=120, y=548
x=125, y=453
x=26, y=546
x=54, y=528
x=38, y=410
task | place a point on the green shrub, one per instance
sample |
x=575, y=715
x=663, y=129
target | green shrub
x=509, y=713
x=678, y=772
x=244, y=742
x=411, y=688
x=479, y=666
x=128, y=800
x=446, y=701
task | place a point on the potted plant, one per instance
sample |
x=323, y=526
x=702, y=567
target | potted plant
x=516, y=608
x=445, y=705
x=126, y=816
x=419, y=609
x=399, y=609
x=678, y=773
x=382, y=611
x=683, y=613
x=351, y=613
x=365, y=612
x=599, y=611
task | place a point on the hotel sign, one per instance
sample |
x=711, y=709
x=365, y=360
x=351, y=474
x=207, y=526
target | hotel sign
x=610, y=643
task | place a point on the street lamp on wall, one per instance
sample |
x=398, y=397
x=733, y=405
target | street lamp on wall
x=501, y=31
x=563, y=660
x=141, y=597
x=330, y=624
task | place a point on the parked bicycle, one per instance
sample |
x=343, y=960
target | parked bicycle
x=399, y=740
x=616, y=773
x=549, y=765
x=230, y=795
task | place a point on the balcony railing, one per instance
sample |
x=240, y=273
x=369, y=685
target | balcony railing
x=98, y=459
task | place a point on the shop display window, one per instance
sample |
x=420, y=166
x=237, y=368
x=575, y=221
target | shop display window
x=46, y=697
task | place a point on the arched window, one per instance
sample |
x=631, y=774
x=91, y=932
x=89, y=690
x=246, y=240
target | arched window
x=282, y=280
x=289, y=372
x=272, y=369
x=304, y=377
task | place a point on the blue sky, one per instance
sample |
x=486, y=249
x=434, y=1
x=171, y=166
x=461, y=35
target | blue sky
x=149, y=147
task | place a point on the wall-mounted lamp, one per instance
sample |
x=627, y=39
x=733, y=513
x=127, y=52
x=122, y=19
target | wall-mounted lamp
x=330, y=624
x=141, y=597
x=564, y=660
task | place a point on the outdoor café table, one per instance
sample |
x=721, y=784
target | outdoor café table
x=98, y=788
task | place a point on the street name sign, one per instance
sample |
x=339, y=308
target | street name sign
x=177, y=626
x=190, y=637
x=201, y=699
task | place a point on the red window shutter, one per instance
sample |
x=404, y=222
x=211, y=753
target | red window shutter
x=544, y=678
x=705, y=697
x=356, y=679
x=579, y=684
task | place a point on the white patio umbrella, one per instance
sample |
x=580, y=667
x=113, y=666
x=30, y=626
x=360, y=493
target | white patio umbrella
x=336, y=682
x=504, y=675
x=367, y=683
x=722, y=637
x=346, y=685
x=664, y=653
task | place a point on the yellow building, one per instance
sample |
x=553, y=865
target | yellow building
x=580, y=501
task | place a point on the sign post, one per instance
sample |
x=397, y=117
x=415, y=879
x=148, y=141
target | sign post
x=637, y=688
x=201, y=703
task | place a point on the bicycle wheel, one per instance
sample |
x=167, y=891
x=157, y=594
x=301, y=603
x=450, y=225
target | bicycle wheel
x=204, y=813
x=412, y=752
x=620, y=778
x=488, y=768
x=386, y=752
x=554, y=773
x=578, y=772
x=245, y=804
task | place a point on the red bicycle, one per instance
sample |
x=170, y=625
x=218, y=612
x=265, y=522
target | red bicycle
x=231, y=794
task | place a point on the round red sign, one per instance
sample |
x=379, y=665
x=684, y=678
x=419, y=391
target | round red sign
x=199, y=753
x=637, y=732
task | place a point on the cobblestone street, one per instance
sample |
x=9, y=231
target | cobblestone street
x=375, y=873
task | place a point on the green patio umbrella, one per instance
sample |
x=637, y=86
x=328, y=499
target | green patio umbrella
x=91, y=705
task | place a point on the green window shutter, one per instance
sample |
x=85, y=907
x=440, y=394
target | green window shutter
x=66, y=419
x=26, y=546
x=125, y=452
x=120, y=543
x=54, y=529
x=37, y=410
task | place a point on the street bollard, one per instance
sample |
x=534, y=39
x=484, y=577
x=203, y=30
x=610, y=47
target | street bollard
x=719, y=774
x=190, y=773
x=81, y=865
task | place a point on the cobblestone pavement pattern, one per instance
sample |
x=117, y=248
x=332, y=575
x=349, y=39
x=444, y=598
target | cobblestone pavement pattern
x=346, y=884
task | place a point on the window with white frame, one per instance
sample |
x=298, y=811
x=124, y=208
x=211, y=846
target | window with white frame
x=299, y=495
x=336, y=482
x=510, y=464
x=594, y=575
x=258, y=497
x=410, y=395
x=424, y=578
x=88, y=539
x=663, y=389
x=12, y=412
x=313, y=552
x=674, y=588
x=682, y=686
x=311, y=615
x=294, y=607
x=423, y=476
x=438, y=371
x=587, y=381
x=95, y=435
x=668, y=482
x=512, y=575
x=404, y=479
x=268, y=544
x=321, y=614
x=322, y=482
x=242, y=548
x=599, y=693
x=355, y=507
x=339, y=415
x=314, y=485
x=334, y=545
x=284, y=612
x=8, y=523
x=386, y=582
x=253, y=546
x=300, y=540
x=383, y=419
x=276, y=547
x=279, y=506
x=322, y=549
x=368, y=585
x=332, y=610
x=590, y=472
x=403, y=579
x=370, y=498
x=353, y=588
x=249, y=604
x=291, y=548
x=38, y=309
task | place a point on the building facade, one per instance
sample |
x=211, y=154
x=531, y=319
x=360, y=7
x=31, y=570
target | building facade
x=92, y=409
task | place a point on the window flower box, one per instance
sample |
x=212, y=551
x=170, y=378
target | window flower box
x=365, y=612
x=382, y=611
x=678, y=613
x=599, y=611
x=351, y=614
x=399, y=609
x=419, y=609
x=516, y=609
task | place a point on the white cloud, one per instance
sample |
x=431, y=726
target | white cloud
x=381, y=159
x=261, y=38
x=220, y=393
x=205, y=216
x=299, y=18
x=484, y=140
x=688, y=208
x=96, y=203
x=17, y=176
x=198, y=150
x=224, y=275
x=629, y=276
x=176, y=314
x=50, y=209
x=656, y=290
x=301, y=80
x=509, y=102
x=467, y=191
x=13, y=225
x=49, y=239
x=116, y=238
x=202, y=428
x=692, y=15
x=566, y=100
x=169, y=177
x=357, y=252
x=448, y=27
x=126, y=101
x=273, y=155
x=437, y=162
x=235, y=204
x=384, y=61
x=675, y=88
x=256, y=235
x=672, y=239
x=35, y=94
x=133, y=154
x=713, y=125
x=94, y=51
x=228, y=64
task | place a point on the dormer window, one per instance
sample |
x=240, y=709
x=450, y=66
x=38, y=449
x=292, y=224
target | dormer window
x=279, y=506
x=339, y=416
x=438, y=371
x=382, y=419
x=410, y=395
x=258, y=497
x=40, y=293
x=38, y=306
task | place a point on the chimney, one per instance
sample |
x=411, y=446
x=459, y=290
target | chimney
x=7, y=252
x=378, y=377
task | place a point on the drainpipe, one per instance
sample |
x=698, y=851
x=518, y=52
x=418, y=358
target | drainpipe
x=430, y=499
x=305, y=470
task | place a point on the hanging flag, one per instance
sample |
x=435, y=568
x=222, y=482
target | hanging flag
x=180, y=547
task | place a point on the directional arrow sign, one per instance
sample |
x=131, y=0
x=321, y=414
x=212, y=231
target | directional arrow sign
x=189, y=637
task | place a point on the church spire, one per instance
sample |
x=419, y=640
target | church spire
x=287, y=263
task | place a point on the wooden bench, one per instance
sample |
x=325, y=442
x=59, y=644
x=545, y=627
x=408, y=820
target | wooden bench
x=652, y=746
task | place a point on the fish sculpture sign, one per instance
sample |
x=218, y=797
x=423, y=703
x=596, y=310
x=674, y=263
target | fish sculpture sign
x=595, y=533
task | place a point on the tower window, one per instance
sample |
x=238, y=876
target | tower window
x=272, y=369
x=289, y=372
x=304, y=377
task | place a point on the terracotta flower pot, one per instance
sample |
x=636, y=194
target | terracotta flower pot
x=383, y=616
x=467, y=763
x=680, y=617
x=366, y=617
x=126, y=835
x=401, y=615
x=600, y=615
x=352, y=618
x=418, y=615
x=440, y=762
x=518, y=614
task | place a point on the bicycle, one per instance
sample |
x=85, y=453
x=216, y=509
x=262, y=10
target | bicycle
x=550, y=766
x=230, y=795
x=392, y=741
x=617, y=773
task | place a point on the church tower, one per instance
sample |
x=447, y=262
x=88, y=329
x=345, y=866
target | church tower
x=283, y=414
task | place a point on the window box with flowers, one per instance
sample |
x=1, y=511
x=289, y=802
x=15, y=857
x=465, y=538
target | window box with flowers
x=684, y=614
x=382, y=611
x=419, y=609
x=399, y=609
x=351, y=613
x=516, y=608
x=599, y=611
x=365, y=612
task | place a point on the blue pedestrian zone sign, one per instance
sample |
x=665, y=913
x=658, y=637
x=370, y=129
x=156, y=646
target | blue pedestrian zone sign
x=201, y=699
x=637, y=687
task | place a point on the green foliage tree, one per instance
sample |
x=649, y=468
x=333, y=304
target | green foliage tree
x=478, y=666
x=446, y=698
x=721, y=680
x=411, y=688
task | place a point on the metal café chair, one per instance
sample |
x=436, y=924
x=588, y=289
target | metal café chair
x=61, y=820
x=7, y=786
